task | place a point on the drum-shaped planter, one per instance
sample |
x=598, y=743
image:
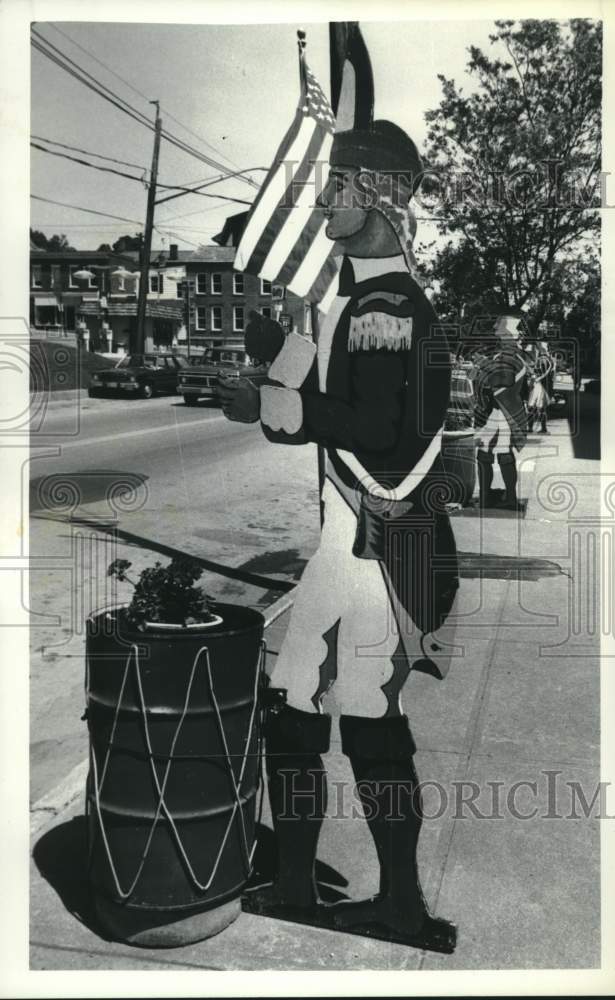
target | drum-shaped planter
x=174, y=773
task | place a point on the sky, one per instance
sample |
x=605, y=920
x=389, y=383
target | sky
x=233, y=88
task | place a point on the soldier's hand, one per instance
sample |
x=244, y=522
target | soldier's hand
x=263, y=337
x=240, y=399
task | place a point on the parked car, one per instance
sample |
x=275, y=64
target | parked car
x=139, y=375
x=200, y=380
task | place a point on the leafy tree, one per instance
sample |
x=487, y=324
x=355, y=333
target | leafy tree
x=104, y=248
x=514, y=167
x=54, y=242
x=582, y=322
x=128, y=243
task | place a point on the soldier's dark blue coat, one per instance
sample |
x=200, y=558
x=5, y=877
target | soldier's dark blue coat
x=385, y=401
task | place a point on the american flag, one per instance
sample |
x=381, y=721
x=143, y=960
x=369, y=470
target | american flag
x=284, y=239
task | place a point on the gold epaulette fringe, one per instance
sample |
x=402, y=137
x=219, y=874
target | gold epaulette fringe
x=378, y=331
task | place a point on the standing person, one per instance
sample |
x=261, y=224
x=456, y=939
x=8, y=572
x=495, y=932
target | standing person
x=501, y=415
x=542, y=388
x=384, y=577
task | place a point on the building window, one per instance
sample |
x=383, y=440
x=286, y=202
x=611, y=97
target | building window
x=237, y=319
x=156, y=283
x=266, y=312
x=216, y=284
x=216, y=318
x=201, y=284
x=201, y=318
x=180, y=290
x=265, y=287
x=307, y=321
x=237, y=284
x=71, y=276
x=37, y=276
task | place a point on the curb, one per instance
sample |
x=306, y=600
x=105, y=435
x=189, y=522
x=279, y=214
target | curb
x=52, y=803
x=61, y=396
x=59, y=798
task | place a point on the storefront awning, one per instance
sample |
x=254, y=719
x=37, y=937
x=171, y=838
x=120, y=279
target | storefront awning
x=171, y=310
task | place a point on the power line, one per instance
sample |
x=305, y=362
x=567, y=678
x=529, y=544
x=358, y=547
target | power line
x=198, y=188
x=61, y=59
x=201, y=194
x=81, y=225
x=131, y=177
x=179, y=236
x=84, y=163
x=70, y=66
x=137, y=117
x=196, y=211
x=87, y=152
x=140, y=93
x=92, y=211
x=206, y=182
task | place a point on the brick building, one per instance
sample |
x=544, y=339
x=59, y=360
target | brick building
x=195, y=299
x=56, y=295
x=218, y=300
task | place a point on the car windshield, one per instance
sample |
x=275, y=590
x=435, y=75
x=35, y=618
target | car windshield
x=137, y=361
x=218, y=356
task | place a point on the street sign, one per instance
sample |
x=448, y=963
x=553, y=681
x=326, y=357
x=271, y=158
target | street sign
x=278, y=292
x=286, y=322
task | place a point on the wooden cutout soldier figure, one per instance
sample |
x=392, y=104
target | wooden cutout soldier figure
x=369, y=605
x=501, y=413
x=542, y=388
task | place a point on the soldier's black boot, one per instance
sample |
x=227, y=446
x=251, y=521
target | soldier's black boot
x=381, y=752
x=508, y=468
x=484, y=463
x=298, y=795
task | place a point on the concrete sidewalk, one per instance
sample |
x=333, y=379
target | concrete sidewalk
x=521, y=704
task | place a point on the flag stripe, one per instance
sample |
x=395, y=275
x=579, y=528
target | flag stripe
x=284, y=239
x=272, y=193
x=301, y=247
x=324, y=280
x=300, y=192
x=294, y=221
x=324, y=304
x=311, y=263
x=280, y=156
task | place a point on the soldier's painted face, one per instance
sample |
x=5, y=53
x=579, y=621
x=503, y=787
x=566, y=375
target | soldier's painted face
x=344, y=203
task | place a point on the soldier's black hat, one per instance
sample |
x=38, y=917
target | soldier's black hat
x=383, y=147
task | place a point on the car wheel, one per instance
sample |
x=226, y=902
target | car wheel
x=147, y=390
x=191, y=400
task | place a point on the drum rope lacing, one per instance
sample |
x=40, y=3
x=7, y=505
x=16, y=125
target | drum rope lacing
x=133, y=656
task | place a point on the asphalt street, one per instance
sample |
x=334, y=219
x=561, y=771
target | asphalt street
x=162, y=473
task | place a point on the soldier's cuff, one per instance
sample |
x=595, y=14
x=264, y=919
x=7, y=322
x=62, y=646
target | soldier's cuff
x=292, y=364
x=281, y=409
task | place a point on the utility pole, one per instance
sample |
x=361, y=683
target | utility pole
x=147, y=239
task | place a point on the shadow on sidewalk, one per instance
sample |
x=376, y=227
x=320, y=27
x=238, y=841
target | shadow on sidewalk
x=61, y=858
x=265, y=864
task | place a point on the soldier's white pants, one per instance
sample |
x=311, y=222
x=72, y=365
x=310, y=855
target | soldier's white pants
x=343, y=628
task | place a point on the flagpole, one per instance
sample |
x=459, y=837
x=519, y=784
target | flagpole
x=320, y=451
